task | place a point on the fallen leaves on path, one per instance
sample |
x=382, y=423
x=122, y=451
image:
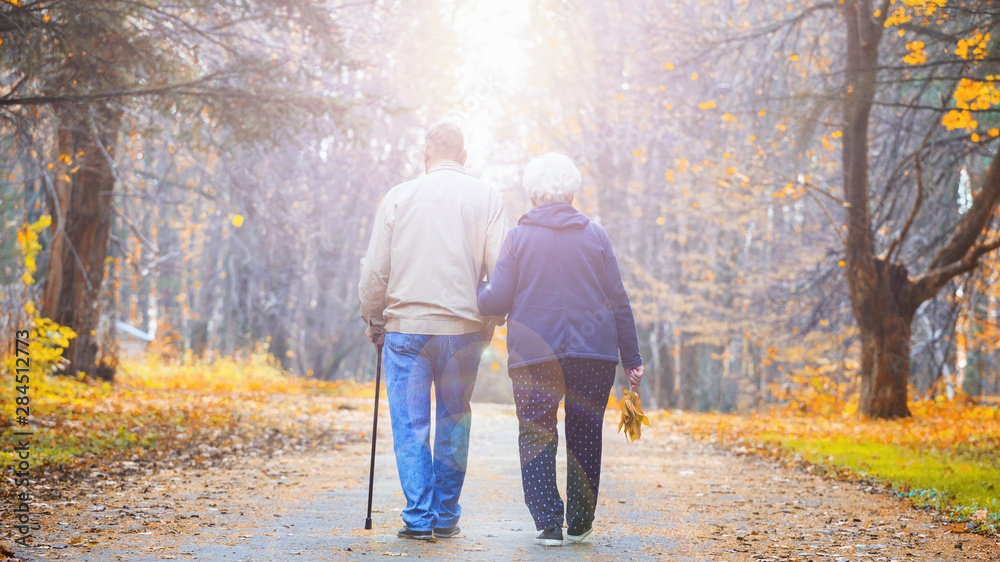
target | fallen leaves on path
x=964, y=437
x=91, y=439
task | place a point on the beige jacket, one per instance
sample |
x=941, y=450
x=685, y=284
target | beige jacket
x=433, y=240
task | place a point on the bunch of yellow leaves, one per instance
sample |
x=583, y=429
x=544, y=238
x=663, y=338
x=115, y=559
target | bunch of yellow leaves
x=27, y=238
x=632, y=416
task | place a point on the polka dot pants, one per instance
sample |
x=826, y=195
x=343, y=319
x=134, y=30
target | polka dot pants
x=538, y=389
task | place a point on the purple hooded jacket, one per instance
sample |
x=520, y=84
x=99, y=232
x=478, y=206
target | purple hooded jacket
x=557, y=280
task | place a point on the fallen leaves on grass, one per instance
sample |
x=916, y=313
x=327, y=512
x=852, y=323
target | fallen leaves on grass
x=89, y=438
x=163, y=415
x=158, y=406
x=943, y=457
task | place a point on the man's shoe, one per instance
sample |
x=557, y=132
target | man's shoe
x=550, y=537
x=447, y=532
x=577, y=535
x=408, y=533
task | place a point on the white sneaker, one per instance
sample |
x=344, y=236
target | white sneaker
x=550, y=537
x=579, y=538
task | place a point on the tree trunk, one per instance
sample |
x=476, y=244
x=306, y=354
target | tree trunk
x=877, y=288
x=81, y=230
x=663, y=369
x=688, y=380
x=883, y=297
x=709, y=376
x=885, y=361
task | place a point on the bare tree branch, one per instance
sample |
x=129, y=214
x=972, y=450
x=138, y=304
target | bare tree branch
x=971, y=227
x=928, y=284
x=898, y=241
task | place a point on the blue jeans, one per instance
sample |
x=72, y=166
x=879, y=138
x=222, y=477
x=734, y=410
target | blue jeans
x=432, y=483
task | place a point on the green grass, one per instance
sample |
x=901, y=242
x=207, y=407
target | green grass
x=951, y=481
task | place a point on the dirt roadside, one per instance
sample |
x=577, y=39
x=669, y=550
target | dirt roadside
x=664, y=497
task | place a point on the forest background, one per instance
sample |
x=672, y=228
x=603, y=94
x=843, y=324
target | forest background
x=803, y=196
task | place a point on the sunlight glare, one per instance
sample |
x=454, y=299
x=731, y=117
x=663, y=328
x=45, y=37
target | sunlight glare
x=494, y=69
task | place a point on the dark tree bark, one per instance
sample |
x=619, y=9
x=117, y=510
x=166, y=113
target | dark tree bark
x=81, y=228
x=883, y=317
x=885, y=345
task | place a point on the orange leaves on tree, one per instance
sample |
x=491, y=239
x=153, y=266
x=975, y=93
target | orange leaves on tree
x=976, y=95
x=973, y=48
x=898, y=17
x=916, y=53
x=959, y=119
x=971, y=95
x=922, y=8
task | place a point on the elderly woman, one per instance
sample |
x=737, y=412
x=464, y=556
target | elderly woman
x=557, y=280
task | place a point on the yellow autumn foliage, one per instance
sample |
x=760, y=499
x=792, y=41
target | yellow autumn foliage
x=257, y=373
x=632, y=416
x=46, y=343
x=959, y=119
x=27, y=240
x=977, y=44
x=916, y=55
x=46, y=339
x=159, y=405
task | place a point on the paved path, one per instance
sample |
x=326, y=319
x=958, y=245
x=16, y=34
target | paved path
x=662, y=498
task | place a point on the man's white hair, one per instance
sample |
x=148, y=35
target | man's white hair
x=551, y=178
x=445, y=139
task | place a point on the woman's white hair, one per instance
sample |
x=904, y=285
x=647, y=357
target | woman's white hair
x=551, y=178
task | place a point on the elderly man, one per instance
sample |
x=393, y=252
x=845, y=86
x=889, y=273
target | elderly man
x=433, y=240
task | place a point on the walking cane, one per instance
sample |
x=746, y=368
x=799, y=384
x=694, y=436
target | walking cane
x=371, y=471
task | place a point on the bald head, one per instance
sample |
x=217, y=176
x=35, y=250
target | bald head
x=444, y=141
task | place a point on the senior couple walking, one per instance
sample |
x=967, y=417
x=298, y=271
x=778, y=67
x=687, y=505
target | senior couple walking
x=441, y=272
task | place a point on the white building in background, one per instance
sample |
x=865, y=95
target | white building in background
x=131, y=341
